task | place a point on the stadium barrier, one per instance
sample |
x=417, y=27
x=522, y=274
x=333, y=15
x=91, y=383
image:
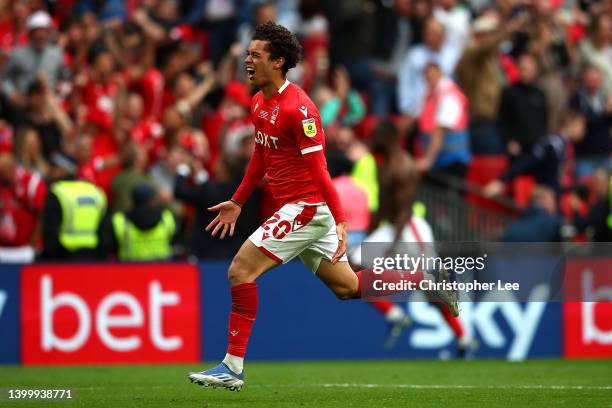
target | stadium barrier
x=460, y=212
x=177, y=312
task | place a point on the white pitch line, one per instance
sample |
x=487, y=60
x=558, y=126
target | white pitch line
x=459, y=386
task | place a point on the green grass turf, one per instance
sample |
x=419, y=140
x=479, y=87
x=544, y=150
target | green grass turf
x=373, y=384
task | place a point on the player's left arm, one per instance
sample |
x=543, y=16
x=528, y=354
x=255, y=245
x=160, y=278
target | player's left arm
x=310, y=139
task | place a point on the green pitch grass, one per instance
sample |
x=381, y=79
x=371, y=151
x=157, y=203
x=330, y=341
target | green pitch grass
x=372, y=384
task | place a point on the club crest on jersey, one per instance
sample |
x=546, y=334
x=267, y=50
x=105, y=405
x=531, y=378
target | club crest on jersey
x=274, y=115
x=310, y=127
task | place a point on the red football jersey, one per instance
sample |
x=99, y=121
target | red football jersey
x=20, y=206
x=287, y=126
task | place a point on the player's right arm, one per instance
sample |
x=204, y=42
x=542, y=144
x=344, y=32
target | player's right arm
x=229, y=211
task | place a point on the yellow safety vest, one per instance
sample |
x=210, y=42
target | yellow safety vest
x=137, y=245
x=83, y=205
x=365, y=175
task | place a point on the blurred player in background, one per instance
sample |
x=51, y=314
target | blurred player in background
x=310, y=223
x=398, y=180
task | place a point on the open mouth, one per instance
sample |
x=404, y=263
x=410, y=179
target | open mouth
x=250, y=72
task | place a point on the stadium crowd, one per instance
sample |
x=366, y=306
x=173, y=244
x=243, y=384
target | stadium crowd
x=145, y=104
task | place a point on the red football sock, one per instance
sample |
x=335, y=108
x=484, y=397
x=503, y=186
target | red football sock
x=454, y=322
x=367, y=277
x=383, y=306
x=242, y=317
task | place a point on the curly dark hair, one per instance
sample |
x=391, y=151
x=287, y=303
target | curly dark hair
x=281, y=43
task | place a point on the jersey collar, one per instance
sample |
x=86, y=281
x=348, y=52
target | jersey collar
x=283, y=86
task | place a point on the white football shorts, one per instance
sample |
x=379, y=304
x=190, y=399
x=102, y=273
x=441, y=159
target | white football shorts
x=304, y=230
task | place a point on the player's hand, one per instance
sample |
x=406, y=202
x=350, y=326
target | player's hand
x=226, y=219
x=342, y=238
x=493, y=189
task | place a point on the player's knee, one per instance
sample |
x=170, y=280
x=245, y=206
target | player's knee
x=239, y=271
x=345, y=292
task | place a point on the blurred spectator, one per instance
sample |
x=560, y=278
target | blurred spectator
x=354, y=202
x=263, y=12
x=523, y=111
x=346, y=151
x=92, y=167
x=479, y=77
x=22, y=197
x=538, y=223
x=220, y=19
x=596, y=49
x=29, y=152
x=27, y=62
x=135, y=51
x=73, y=40
x=546, y=159
x=455, y=18
x=595, y=104
x=598, y=220
x=420, y=14
x=443, y=125
x=548, y=44
x=41, y=112
x=72, y=214
x=145, y=131
x=13, y=30
x=231, y=114
x=177, y=132
x=144, y=233
x=351, y=24
x=411, y=85
x=189, y=94
x=163, y=173
x=133, y=163
x=204, y=193
x=341, y=105
x=100, y=92
x=393, y=37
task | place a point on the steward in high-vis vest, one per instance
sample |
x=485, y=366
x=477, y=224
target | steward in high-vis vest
x=144, y=233
x=72, y=214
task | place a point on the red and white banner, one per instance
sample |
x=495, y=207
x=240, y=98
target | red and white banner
x=114, y=313
x=587, y=326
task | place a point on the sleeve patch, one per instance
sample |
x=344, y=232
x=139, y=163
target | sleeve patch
x=310, y=127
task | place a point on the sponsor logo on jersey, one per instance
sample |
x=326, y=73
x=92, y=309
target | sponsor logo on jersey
x=263, y=114
x=304, y=110
x=266, y=140
x=310, y=127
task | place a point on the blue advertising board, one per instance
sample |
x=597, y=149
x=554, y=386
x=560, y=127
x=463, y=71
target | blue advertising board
x=9, y=314
x=299, y=318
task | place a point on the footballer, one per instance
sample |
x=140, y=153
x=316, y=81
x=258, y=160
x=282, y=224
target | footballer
x=310, y=223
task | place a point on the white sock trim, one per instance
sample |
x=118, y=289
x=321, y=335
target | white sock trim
x=395, y=314
x=236, y=364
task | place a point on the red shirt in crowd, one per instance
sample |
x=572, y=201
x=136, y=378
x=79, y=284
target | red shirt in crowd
x=21, y=204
